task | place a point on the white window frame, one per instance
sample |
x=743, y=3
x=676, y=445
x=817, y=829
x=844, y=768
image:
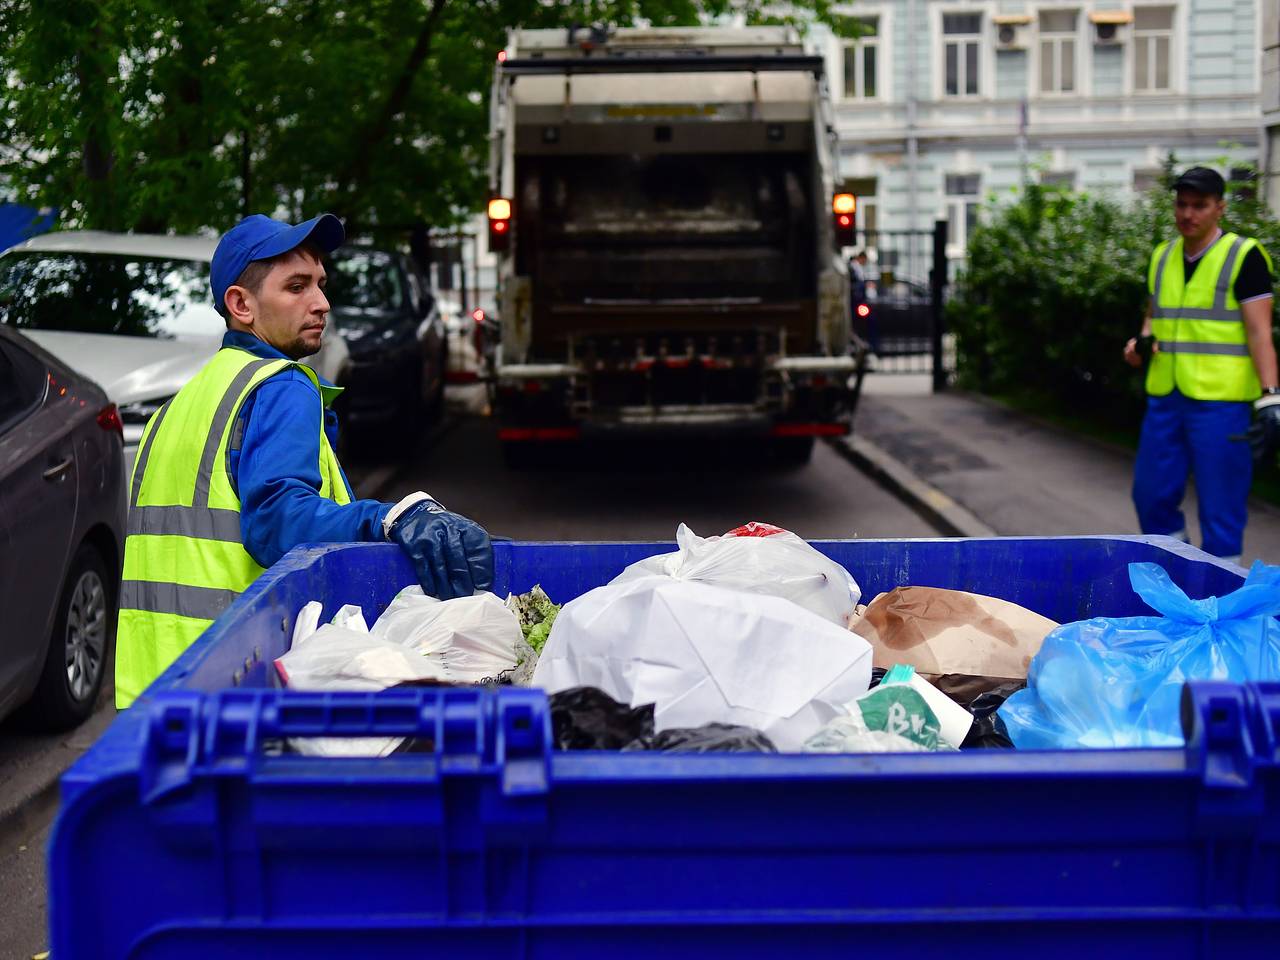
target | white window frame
x=958, y=246
x=986, y=52
x=1177, y=50
x=882, y=50
x=1083, y=66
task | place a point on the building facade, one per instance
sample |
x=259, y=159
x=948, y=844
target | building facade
x=1271, y=100
x=943, y=102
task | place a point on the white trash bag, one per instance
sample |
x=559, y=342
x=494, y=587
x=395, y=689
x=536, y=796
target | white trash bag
x=762, y=559
x=417, y=638
x=703, y=654
x=468, y=639
x=337, y=658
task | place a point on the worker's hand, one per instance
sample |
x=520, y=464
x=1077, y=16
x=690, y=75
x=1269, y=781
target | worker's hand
x=1264, y=433
x=451, y=554
x=1138, y=349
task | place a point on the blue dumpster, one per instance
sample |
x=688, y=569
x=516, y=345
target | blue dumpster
x=185, y=833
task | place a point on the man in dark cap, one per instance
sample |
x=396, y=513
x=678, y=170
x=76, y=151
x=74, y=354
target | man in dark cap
x=239, y=467
x=1211, y=368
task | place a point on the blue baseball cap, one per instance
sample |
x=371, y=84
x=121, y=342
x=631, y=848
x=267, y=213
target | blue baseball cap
x=260, y=238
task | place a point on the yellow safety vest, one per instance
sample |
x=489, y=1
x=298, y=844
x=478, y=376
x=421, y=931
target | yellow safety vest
x=1202, y=347
x=184, y=561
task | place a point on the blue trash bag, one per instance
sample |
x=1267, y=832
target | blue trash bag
x=1118, y=682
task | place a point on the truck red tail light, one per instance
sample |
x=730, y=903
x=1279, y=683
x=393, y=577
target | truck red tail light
x=499, y=224
x=843, y=208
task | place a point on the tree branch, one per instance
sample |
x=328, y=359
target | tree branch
x=353, y=175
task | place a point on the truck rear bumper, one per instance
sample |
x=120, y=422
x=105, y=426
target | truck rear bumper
x=691, y=421
x=549, y=371
x=700, y=418
x=795, y=397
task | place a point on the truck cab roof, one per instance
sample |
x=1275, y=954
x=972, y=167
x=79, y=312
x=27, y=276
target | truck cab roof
x=583, y=44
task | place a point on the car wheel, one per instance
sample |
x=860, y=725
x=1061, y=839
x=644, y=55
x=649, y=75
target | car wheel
x=83, y=633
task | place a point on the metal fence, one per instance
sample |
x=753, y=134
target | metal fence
x=898, y=294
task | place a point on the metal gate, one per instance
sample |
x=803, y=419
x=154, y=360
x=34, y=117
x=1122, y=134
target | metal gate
x=897, y=300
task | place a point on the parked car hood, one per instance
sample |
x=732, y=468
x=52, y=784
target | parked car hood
x=130, y=368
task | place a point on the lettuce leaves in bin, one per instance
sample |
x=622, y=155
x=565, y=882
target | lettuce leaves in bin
x=536, y=613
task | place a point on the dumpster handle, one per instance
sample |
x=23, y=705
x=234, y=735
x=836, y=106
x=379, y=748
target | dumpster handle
x=1233, y=741
x=467, y=730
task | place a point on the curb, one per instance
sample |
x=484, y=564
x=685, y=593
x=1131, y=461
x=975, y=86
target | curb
x=27, y=816
x=34, y=773
x=949, y=517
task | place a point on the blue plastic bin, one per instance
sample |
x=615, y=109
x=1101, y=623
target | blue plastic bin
x=180, y=836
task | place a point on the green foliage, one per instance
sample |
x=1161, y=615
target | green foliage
x=1053, y=286
x=184, y=114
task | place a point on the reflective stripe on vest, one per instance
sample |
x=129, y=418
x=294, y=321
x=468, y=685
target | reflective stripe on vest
x=178, y=599
x=1205, y=349
x=1201, y=340
x=184, y=559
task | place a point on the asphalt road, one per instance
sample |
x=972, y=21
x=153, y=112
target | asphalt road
x=642, y=490
x=623, y=491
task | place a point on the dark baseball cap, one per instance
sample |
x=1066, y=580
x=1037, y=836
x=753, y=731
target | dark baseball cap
x=1201, y=180
x=260, y=238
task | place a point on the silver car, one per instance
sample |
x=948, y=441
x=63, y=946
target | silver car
x=132, y=311
x=62, y=521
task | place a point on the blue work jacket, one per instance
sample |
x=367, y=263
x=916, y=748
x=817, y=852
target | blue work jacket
x=276, y=471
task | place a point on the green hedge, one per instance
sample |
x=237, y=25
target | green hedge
x=1053, y=286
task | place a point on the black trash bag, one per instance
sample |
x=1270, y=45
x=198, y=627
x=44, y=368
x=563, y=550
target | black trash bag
x=965, y=688
x=710, y=738
x=877, y=674
x=586, y=718
x=988, y=730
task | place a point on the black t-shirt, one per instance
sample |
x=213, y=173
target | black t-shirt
x=1253, y=280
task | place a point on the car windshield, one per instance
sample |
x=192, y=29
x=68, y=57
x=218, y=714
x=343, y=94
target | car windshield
x=364, y=282
x=108, y=293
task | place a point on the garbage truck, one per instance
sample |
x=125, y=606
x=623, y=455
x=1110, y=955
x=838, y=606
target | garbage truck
x=666, y=227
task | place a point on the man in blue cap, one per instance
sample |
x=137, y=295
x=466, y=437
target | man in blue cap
x=239, y=467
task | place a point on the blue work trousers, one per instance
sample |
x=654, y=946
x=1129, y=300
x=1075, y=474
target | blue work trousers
x=1181, y=435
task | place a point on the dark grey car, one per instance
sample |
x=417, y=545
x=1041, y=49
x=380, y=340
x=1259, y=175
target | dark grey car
x=384, y=310
x=62, y=521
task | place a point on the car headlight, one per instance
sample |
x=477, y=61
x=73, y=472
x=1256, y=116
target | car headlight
x=141, y=411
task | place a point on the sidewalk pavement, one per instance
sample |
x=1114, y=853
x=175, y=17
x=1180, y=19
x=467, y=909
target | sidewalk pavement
x=980, y=469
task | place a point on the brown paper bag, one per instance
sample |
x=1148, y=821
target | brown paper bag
x=949, y=631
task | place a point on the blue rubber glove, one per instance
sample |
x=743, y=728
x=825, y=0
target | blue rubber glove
x=451, y=554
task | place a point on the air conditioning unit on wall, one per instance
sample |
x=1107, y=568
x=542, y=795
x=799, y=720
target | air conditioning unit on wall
x=1109, y=26
x=1012, y=31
